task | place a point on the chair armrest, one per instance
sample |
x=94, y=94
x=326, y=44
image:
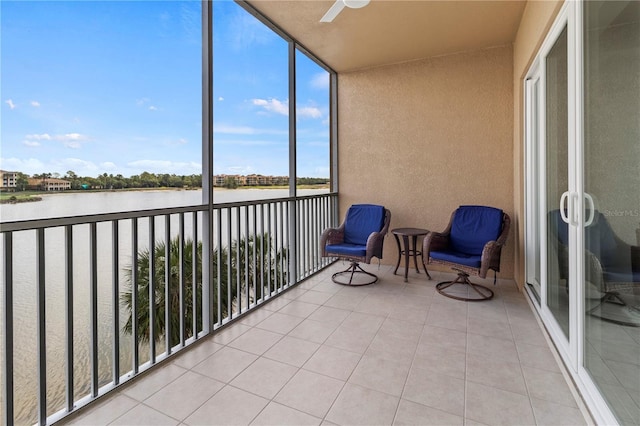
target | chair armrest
x=374, y=245
x=490, y=258
x=331, y=236
x=593, y=271
x=434, y=241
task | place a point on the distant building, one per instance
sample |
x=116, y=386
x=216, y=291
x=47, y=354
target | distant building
x=49, y=184
x=251, y=180
x=8, y=179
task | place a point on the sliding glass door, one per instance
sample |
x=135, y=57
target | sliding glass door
x=548, y=182
x=611, y=255
x=582, y=106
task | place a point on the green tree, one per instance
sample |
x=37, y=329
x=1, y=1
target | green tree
x=22, y=181
x=230, y=182
x=264, y=270
x=73, y=178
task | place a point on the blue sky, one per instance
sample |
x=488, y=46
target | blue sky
x=115, y=87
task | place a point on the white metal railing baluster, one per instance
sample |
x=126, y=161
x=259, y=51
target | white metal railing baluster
x=134, y=296
x=269, y=251
x=238, y=263
x=219, y=268
x=115, y=299
x=181, y=272
x=152, y=289
x=93, y=300
x=262, y=295
x=276, y=266
x=41, y=328
x=194, y=277
x=68, y=304
x=167, y=284
x=8, y=328
x=246, y=257
x=229, y=254
x=255, y=259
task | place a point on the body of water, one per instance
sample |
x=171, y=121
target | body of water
x=25, y=284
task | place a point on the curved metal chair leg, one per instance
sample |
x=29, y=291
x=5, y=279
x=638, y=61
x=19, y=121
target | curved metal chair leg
x=483, y=292
x=353, y=269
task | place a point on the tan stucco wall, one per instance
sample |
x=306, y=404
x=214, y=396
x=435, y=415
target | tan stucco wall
x=536, y=21
x=424, y=137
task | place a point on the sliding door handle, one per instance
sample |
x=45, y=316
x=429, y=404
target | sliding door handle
x=564, y=207
x=591, y=209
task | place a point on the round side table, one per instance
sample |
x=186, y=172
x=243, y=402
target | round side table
x=405, y=233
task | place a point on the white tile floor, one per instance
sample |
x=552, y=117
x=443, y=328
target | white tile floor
x=389, y=353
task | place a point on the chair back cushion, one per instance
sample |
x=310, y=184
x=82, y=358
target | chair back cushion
x=361, y=221
x=473, y=227
x=599, y=239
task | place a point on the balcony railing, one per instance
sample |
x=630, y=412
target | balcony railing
x=92, y=301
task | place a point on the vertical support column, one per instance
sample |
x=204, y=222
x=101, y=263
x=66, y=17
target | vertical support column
x=207, y=165
x=333, y=136
x=293, y=172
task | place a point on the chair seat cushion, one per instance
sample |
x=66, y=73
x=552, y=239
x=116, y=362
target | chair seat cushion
x=346, y=249
x=451, y=256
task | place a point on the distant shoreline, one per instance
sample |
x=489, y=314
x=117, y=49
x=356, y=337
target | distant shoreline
x=34, y=196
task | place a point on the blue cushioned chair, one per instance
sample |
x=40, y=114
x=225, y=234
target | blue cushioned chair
x=472, y=243
x=358, y=239
x=612, y=265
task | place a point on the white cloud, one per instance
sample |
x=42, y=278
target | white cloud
x=166, y=166
x=71, y=137
x=273, y=105
x=10, y=103
x=35, y=104
x=153, y=108
x=28, y=165
x=245, y=130
x=142, y=101
x=69, y=140
x=42, y=137
x=309, y=112
x=79, y=166
x=72, y=144
x=221, y=99
x=320, y=81
x=108, y=165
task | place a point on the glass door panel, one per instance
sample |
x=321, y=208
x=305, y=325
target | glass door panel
x=556, y=159
x=612, y=200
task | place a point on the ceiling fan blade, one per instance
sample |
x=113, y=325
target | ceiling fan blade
x=333, y=11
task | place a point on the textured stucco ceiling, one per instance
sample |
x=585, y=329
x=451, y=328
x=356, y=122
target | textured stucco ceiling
x=392, y=31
